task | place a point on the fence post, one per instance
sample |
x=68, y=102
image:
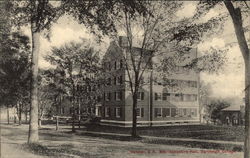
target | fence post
x=57, y=123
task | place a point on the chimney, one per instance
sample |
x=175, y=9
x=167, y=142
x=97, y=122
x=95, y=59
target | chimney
x=123, y=41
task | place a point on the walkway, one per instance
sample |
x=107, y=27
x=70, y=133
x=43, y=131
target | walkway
x=167, y=138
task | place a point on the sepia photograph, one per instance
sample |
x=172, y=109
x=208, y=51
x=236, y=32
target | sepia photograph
x=124, y=79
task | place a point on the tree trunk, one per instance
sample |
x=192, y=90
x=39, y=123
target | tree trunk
x=236, y=16
x=79, y=114
x=8, y=115
x=247, y=109
x=134, y=124
x=20, y=114
x=57, y=122
x=14, y=118
x=39, y=122
x=33, y=126
x=26, y=116
x=73, y=120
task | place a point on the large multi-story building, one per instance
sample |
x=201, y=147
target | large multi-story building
x=157, y=104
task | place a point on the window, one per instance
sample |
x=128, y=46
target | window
x=181, y=97
x=187, y=97
x=89, y=110
x=115, y=65
x=140, y=112
x=158, y=112
x=140, y=96
x=157, y=96
x=98, y=111
x=188, y=112
x=109, y=66
x=118, y=95
x=99, y=98
x=109, y=81
x=190, y=97
x=194, y=112
x=107, y=96
x=194, y=97
x=121, y=64
x=166, y=96
x=142, y=80
x=177, y=97
x=92, y=110
x=94, y=88
x=192, y=84
x=114, y=80
x=120, y=80
x=180, y=112
x=118, y=112
x=173, y=112
x=166, y=112
x=184, y=112
x=107, y=111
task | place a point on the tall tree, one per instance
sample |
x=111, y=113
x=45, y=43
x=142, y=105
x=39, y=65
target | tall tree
x=214, y=107
x=47, y=93
x=237, y=18
x=41, y=14
x=77, y=66
x=157, y=40
x=15, y=63
x=239, y=13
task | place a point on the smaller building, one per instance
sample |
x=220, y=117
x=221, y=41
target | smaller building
x=233, y=115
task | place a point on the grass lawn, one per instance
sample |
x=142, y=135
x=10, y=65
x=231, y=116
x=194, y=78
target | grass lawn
x=64, y=143
x=208, y=132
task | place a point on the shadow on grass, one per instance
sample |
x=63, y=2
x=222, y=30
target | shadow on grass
x=113, y=137
x=209, y=132
x=194, y=144
x=59, y=151
x=190, y=144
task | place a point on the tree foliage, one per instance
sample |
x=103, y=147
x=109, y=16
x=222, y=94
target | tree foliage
x=15, y=67
x=214, y=108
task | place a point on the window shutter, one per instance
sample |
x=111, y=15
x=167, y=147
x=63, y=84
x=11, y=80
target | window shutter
x=120, y=79
x=142, y=95
x=164, y=112
x=156, y=111
x=156, y=96
x=120, y=112
x=142, y=112
x=109, y=96
x=173, y=112
x=121, y=64
x=115, y=97
x=120, y=95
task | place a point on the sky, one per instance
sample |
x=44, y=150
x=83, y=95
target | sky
x=228, y=83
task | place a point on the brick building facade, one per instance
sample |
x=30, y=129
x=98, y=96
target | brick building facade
x=158, y=105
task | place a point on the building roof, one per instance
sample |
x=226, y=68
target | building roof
x=232, y=108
